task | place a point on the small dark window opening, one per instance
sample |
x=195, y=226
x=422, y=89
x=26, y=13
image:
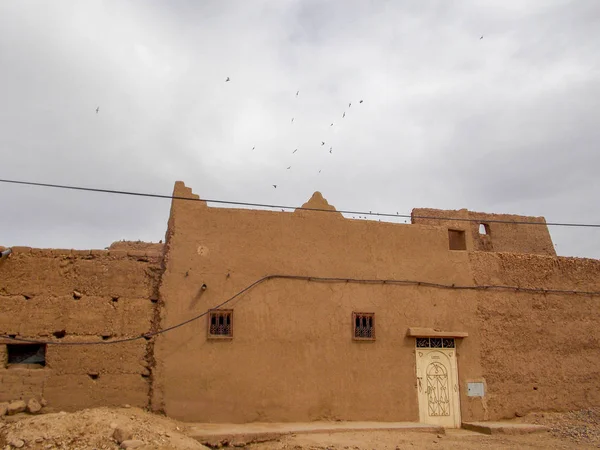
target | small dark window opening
x=456, y=240
x=220, y=323
x=364, y=326
x=34, y=354
x=484, y=229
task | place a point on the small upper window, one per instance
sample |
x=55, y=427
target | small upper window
x=484, y=229
x=33, y=355
x=456, y=240
x=364, y=326
x=220, y=323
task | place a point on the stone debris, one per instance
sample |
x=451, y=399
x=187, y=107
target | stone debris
x=121, y=435
x=3, y=409
x=16, y=442
x=33, y=406
x=582, y=427
x=16, y=407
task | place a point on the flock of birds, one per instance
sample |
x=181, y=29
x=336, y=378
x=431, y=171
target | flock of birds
x=228, y=79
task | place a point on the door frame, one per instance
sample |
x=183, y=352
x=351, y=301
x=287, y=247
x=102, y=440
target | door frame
x=453, y=384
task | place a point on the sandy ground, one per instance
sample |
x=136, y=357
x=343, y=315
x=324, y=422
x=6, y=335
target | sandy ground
x=94, y=428
x=577, y=429
x=452, y=439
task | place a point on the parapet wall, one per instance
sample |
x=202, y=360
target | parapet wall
x=497, y=236
x=95, y=296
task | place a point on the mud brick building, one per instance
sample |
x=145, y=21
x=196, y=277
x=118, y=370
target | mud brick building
x=327, y=318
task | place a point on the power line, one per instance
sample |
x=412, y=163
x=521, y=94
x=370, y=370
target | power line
x=391, y=282
x=263, y=205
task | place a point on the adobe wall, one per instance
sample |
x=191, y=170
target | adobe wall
x=501, y=237
x=292, y=357
x=118, y=289
x=538, y=351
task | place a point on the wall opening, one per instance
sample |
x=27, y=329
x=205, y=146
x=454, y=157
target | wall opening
x=457, y=240
x=364, y=326
x=220, y=324
x=484, y=229
x=30, y=354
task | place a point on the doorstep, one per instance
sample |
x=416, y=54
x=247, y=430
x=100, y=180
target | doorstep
x=240, y=434
x=503, y=427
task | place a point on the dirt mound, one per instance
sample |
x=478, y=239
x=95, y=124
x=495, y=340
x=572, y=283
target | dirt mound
x=94, y=429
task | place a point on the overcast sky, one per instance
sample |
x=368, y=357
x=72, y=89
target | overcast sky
x=504, y=124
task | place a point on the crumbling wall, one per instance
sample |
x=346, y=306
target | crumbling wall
x=497, y=236
x=539, y=351
x=94, y=296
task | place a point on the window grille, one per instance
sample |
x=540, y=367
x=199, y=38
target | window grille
x=220, y=323
x=435, y=342
x=364, y=326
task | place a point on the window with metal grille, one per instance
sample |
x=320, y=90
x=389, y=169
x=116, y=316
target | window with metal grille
x=435, y=342
x=364, y=326
x=220, y=323
x=33, y=355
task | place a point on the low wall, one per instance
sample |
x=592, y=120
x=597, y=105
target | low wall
x=94, y=296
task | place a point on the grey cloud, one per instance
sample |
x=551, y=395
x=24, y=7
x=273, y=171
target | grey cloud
x=503, y=124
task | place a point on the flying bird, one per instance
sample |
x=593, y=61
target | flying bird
x=97, y=109
x=331, y=125
x=344, y=115
x=360, y=101
x=349, y=104
x=319, y=171
x=294, y=151
x=227, y=80
x=322, y=143
x=330, y=149
x=292, y=120
x=275, y=186
x=289, y=167
x=253, y=148
x=481, y=38
x=297, y=92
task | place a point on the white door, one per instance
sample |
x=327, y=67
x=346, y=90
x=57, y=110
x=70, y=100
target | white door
x=437, y=385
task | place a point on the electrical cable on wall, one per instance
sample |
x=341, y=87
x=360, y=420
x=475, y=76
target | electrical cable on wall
x=392, y=282
x=262, y=205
